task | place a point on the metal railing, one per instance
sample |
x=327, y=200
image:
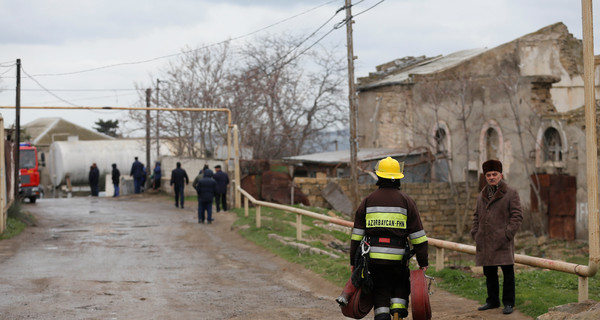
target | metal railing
x=440, y=245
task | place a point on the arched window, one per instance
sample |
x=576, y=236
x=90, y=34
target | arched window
x=492, y=143
x=552, y=145
x=440, y=142
x=442, y=147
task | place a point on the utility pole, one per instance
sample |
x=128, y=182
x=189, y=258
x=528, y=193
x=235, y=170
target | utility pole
x=591, y=146
x=148, y=96
x=17, y=131
x=157, y=121
x=353, y=109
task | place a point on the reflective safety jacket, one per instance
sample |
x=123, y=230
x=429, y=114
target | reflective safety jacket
x=389, y=218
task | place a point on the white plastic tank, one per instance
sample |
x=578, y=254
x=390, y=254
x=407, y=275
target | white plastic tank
x=74, y=158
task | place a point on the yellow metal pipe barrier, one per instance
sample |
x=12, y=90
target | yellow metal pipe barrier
x=562, y=266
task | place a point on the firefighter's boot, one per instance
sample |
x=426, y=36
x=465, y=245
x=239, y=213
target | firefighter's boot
x=400, y=313
x=383, y=316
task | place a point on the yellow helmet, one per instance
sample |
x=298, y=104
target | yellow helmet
x=389, y=168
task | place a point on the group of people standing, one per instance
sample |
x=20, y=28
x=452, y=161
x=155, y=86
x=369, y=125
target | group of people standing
x=94, y=179
x=209, y=186
x=214, y=187
x=139, y=173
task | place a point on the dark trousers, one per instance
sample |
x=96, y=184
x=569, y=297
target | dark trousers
x=221, y=200
x=179, y=195
x=116, y=190
x=205, y=206
x=493, y=287
x=137, y=184
x=390, y=281
x=94, y=190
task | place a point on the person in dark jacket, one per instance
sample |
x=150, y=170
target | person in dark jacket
x=206, y=188
x=156, y=176
x=387, y=221
x=137, y=172
x=205, y=169
x=222, y=180
x=179, y=179
x=496, y=220
x=116, y=176
x=94, y=178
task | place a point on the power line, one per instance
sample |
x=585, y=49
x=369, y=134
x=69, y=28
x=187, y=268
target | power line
x=184, y=52
x=50, y=92
x=277, y=63
x=371, y=7
x=80, y=90
x=8, y=69
x=345, y=21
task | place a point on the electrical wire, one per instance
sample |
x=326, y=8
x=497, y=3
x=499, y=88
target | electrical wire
x=8, y=63
x=373, y=6
x=82, y=90
x=278, y=63
x=8, y=69
x=346, y=20
x=183, y=52
x=48, y=91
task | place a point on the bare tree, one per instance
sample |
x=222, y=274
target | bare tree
x=467, y=88
x=283, y=101
x=198, y=80
x=512, y=82
x=280, y=101
x=449, y=95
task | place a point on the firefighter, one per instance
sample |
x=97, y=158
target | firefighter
x=386, y=221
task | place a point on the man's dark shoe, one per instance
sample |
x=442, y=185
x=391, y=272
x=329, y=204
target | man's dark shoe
x=487, y=306
x=508, y=309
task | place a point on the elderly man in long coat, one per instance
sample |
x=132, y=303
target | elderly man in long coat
x=496, y=220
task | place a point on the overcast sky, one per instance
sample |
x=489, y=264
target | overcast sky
x=124, y=42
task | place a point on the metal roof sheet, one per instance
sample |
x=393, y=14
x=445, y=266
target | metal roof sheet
x=426, y=67
x=343, y=156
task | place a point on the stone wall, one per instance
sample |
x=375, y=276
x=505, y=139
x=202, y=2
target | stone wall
x=435, y=201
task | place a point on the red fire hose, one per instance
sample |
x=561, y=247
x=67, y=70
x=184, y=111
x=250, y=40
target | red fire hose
x=358, y=304
x=419, y=293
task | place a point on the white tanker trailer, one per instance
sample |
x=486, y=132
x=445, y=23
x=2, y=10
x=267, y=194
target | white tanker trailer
x=74, y=158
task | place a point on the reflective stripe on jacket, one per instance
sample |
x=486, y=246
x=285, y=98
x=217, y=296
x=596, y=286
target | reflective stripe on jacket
x=387, y=213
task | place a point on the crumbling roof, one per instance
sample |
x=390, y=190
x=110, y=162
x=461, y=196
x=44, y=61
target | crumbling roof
x=428, y=66
x=343, y=156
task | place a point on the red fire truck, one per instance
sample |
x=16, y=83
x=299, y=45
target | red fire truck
x=29, y=186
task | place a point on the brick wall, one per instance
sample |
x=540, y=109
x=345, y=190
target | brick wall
x=435, y=201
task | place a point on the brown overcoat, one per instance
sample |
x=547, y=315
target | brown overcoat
x=495, y=223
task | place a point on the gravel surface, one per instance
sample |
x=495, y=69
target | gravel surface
x=139, y=257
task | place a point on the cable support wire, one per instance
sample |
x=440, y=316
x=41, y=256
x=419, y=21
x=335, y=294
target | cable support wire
x=83, y=90
x=8, y=69
x=280, y=63
x=94, y=98
x=7, y=64
x=50, y=92
x=183, y=52
x=346, y=20
x=337, y=26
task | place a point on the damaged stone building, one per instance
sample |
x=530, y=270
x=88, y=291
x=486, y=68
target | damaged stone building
x=520, y=102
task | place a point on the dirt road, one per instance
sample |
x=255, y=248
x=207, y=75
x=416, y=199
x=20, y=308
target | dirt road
x=141, y=258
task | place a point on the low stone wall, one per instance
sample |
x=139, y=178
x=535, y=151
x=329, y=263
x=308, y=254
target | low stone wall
x=436, y=202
